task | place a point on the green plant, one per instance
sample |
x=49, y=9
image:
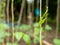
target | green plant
x=8, y=43
x=48, y=27
x=22, y=27
x=37, y=29
x=21, y=35
x=2, y=9
x=3, y=33
x=56, y=41
x=25, y=37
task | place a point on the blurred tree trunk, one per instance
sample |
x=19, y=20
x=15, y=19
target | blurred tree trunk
x=59, y=11
x=57, y=17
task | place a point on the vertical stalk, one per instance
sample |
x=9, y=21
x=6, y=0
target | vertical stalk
x=12, y=22
x=32, y=17
x=33, y=10
x=40, y=24
x=21, y=11
x=57, y=19
x=24, y=17
x=29, y=14
x=7, y=11
x=29, y=8
x=4, y=10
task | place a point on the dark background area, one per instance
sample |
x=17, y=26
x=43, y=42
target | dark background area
x=52, y=4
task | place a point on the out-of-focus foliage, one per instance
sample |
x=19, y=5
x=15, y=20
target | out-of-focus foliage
x=47, y=27
x=56, y=41
x=2, y=8
x=25, y=37
x=43, y=18
x=8, y=43
x=18, y=35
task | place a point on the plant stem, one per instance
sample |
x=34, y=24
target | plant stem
x=33, y=11
x=12, y=22
x=21, y=11
x=7, y=11
x=40, y=24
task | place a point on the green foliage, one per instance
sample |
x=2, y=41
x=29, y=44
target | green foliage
x=4, y=34
x=1, y=16
x=56, y=41
x=27, y=39
x=11, y=43
x=18, y=35
x=36, y=31
x=23, y=27
x=3, y=26
x=8, y=43
x=37, y=34
x=21, y=35
x=1, y=40
x=36, y=24
x=36, y=40
x=44, y=17
x=47, y=27
x=2, y=8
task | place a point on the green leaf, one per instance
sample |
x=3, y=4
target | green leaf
x=43, y=18
x=7, y=34
x=56, y=41
x=2, y=34
x=8, y=43
x=16, y=44
x=17, y=27
x=27, y=39
x=3, y=26
x=1, y=15
x=42, y=21
x=1, y=40
x=36, y=24
x=24, y=27
x=18, y=35
x=47, y=27
x=36, y=31
x=36, y=40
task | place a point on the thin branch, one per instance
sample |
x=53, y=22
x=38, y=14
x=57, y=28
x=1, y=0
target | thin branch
x=7, y=11
x=12, y=22
x=21, y=11
x=57, y=19
x=40, y=24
